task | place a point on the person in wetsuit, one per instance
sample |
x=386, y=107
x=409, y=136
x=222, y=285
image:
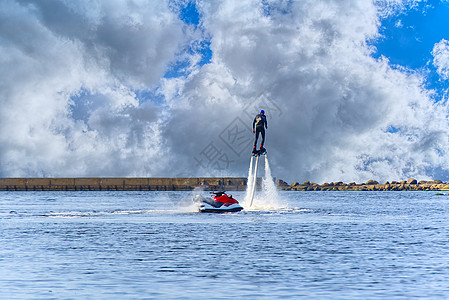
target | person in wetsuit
x=259, y=126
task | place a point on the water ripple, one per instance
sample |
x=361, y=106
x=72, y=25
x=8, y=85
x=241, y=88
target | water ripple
x=144, y=245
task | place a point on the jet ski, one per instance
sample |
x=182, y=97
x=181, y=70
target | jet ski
x=219, y=203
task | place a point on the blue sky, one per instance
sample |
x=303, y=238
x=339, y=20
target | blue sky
x=407, y=39
x=189, y=14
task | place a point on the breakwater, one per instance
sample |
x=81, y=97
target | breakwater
x=122, y=184
x=371, y=185
x=205, y=183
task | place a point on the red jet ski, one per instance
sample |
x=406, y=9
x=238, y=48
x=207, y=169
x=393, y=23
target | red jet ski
x=220, y=203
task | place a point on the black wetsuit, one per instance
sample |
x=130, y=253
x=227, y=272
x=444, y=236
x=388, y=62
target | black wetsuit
x=260, y=121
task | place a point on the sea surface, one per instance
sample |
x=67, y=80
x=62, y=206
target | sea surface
x=155, y=245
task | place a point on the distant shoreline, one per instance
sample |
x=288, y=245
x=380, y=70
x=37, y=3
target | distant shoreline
x=371, y=185
x=204, y=183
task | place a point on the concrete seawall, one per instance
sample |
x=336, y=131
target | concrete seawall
x=122, y=184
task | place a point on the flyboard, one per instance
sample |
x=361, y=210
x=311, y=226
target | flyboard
x=255, y=156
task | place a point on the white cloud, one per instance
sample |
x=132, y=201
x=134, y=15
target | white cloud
x=337, y=101
x=440, y=54
x=69, y=106
x=388, y=8
x=60, y=60
x=399, y=24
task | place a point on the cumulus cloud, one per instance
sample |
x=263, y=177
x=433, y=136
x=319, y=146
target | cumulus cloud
x=440, y=54
x=72, y=75
x=337, y=103
x=69, y=72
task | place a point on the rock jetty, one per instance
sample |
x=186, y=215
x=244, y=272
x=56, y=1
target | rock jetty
x=371, y=185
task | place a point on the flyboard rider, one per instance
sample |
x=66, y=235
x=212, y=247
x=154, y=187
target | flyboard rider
x=259, y=126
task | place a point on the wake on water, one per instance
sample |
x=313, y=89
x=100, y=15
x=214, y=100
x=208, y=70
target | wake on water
x=267, y=198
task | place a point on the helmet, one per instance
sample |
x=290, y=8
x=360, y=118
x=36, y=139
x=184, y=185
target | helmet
x=262, y=112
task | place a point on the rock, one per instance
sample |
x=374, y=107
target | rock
x=294, y=184
x=281, y=182
x=306, y=183
x=371, y=182
x=437, y=181
x=411, y=181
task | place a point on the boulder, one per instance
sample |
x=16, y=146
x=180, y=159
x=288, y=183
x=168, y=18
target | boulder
x=371, y=182
x=306, y=183
x=281, y=182
x=411, y=181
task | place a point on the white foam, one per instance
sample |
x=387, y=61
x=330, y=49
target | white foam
x=188, y=204
x=266, y=199
x=249, y=184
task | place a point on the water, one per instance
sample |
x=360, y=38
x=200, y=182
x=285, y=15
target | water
x=269, y=197
x=152, y=245
x=249, y=183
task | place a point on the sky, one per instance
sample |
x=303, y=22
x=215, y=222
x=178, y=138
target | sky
x=353, y=90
